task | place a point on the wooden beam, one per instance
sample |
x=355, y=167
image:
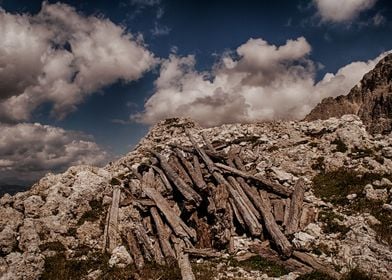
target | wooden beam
x=295, y=207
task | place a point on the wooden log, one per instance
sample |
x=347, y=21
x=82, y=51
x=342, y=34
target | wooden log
x=275, y=187
x=262, y=203
x=250, y=220
x=203, y=252
x=194, y=172
x=316, y=264
x=237, y=214
x=163, y=178
x=183, y=261
x=287, y=203
x=188, y=193
x=178, y=226
x=134, y=249
x=231, y=229
x=215, y=155
x=278, y=206
x=207, y=141
x=112, y=233
x=163, y=234
x=220, y=196
x=201, y=152
x=179, y=169
x=235, y=183
x=144, y=241
x=290, y=264
x=203, y=231
x=295, y=207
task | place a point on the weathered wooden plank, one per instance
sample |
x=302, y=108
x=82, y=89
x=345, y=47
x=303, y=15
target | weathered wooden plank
x=275, y=187
x=188, y=193
x=111, y=235
x=237, y=213
x=203, y=252
x=316, y=264
x=179, y=169
x=163, y=234
x=134, y=249
x=207, y=141
x=163, y=178
x=178, y=226
x=278, y=206
x=194, y=172
x=183, y=261
x=295, y=207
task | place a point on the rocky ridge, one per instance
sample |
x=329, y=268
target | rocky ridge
x=68, y=220
x=370, y=99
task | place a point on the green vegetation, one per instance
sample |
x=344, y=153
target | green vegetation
x=319, y=164
x=272, y=269
x=354, y=274
x=335, y=186
x=59, y=267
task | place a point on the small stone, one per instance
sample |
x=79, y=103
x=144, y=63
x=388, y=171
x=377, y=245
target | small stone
x=351, y=196
x=120, y=257
x=313, y=229
x=387, y=207
x=375, y=194
x=385, y=182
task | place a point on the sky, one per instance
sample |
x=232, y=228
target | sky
x=82, y=81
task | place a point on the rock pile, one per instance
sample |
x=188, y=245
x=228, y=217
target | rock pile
x=188, y=193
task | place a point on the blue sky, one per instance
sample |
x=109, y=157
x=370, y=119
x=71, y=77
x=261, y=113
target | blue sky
x=209, y=32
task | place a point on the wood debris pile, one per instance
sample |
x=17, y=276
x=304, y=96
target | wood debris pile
x=196, y=201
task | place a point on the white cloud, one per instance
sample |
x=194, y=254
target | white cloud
x=60, y=57
x=341, y=10
x=264, y=82
x=28, y=151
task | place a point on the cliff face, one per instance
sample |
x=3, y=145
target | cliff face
x=168, y=199
x=371, y=100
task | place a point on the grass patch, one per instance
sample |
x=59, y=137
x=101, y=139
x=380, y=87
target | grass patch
x=319, y=164
x=204, y=271
x=340, y=145
x=335, y=186
x=93, y=214
x=357, y=274
x=268, y=267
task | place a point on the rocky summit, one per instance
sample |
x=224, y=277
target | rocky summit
x=270, y=200
x=370, y=99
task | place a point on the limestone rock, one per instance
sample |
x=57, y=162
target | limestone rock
x=120, y=257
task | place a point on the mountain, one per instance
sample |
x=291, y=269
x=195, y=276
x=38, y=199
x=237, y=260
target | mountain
x=271, y=200
x=371, y=100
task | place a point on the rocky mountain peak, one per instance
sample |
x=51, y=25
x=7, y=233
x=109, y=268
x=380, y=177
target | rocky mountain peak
x=371, y=100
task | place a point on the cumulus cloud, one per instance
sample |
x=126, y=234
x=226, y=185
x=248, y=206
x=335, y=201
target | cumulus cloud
x=341, y=11
x=260, y=81
x=59, y=56
x=28, y=151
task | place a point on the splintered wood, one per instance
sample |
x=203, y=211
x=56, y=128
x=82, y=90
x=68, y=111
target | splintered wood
x=193, y=201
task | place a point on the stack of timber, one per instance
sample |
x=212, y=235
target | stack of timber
x=193, y=201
